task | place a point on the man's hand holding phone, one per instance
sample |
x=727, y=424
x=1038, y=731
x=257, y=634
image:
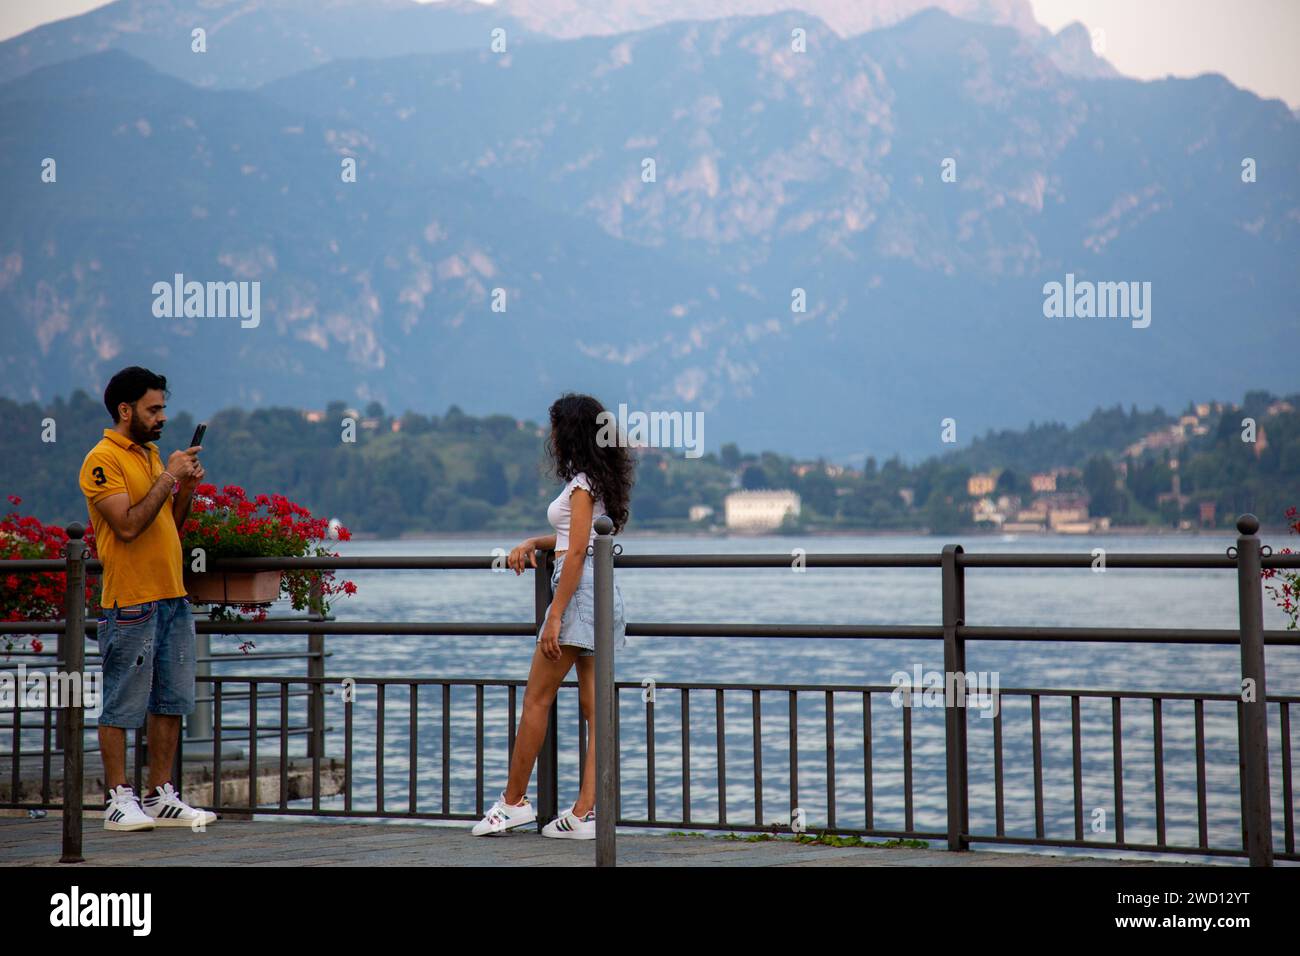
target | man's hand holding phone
x=184, y=465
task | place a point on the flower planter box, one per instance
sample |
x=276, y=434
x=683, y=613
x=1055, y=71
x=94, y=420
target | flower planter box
x=235, y=587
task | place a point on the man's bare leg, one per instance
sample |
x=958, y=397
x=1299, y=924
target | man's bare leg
x=112, y=750
x=164, y=729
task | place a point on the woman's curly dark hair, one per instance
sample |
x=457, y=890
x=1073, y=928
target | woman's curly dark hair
x=573, y=448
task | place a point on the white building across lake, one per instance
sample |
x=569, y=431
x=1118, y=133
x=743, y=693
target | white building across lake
x=759, y=510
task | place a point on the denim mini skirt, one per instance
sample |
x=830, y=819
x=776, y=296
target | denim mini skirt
x=578, y=624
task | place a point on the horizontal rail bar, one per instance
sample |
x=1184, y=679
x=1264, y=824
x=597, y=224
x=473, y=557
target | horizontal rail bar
x=1129, y=635
x=725, y=686
x=1166, y=560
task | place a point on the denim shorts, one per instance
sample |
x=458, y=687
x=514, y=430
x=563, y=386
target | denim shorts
x=148, y=652
x=578, y=624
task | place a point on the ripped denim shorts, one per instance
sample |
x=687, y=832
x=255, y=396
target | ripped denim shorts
x=578, y=624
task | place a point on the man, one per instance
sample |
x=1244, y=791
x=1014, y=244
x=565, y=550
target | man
x=146, y=632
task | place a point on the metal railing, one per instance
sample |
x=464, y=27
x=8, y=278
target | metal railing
x=307, y=697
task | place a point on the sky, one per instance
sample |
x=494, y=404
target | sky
x=1252, y=42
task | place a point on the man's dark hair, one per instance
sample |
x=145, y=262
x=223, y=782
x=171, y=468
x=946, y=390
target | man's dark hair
x=129, y=385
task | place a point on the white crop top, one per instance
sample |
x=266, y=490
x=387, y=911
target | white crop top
x=559, y=512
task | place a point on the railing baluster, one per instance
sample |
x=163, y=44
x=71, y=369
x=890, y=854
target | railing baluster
x=686, y=755
x=478, y=748
x=1202, y=827
x=511, y=704
x=868, y=785
x=618, y=760
x=1117, y=739
x=1288, y=809
x=1158, y=732
x=794, y=751
x=719, y=721
x=414, y=759
x=284, y=748
x=252, y=746
x=1077, y=747
x=650, y=754
x=1038, y=768
x=907, y=765
x=755, y=699
x=15, y=792
x=45, y=759
x=380, y=688
x=998, y=795
x=446, y=749
x=830, y=759
x=349, y=699
x=1243, y=802
x=217, y=801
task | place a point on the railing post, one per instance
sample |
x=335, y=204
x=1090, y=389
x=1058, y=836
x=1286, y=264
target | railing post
x=72, y=654
x=315, y=669
x=198, y=725
x=548, y=758
x=954, y=666
x=606, y=794
x=1256, y=809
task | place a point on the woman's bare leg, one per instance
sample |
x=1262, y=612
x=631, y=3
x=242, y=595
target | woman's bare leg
x=587, y=701
x=544, y=679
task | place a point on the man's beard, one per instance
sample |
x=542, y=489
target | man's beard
x=141, y=435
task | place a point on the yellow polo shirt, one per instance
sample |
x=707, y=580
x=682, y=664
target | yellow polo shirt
x=148, y=568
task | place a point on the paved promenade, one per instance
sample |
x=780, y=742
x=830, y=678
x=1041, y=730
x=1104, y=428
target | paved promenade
x=26, y=842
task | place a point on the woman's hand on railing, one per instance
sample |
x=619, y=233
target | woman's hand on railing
x=523, y=556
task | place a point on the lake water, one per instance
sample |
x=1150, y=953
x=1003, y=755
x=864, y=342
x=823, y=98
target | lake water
x=1074, y=597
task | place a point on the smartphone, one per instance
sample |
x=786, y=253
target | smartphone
x=198, y=434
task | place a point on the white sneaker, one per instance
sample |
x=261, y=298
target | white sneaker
x=122, y=811
x=504, y=816
x=166, y=808
x=569, y=827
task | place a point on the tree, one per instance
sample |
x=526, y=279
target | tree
x=1104, y=499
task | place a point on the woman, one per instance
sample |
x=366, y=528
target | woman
x=599, y=481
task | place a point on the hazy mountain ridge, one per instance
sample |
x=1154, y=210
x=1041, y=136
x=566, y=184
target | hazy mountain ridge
x=775, y=172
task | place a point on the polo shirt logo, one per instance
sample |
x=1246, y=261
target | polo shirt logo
x=98, y=472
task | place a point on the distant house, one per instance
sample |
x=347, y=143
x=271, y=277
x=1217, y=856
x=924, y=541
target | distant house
x=1045, y=481
x=977, y=486
x=760, y=510
x=1207, y=514
x=1068, y=519
x=700, y=512
x=986, y=512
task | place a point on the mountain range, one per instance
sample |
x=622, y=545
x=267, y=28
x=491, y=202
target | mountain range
x=778, y=173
